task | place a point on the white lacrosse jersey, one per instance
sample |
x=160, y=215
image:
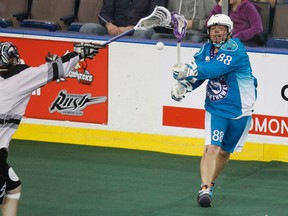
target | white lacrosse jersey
x=16, y=85
x=231, y=89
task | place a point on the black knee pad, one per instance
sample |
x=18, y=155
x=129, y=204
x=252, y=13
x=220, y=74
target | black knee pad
x=8, y=178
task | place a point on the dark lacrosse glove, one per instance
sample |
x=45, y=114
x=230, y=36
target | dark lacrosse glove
x=87, y=50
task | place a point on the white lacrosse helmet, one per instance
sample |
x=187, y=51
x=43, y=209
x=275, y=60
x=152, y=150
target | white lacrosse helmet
x=220, y=19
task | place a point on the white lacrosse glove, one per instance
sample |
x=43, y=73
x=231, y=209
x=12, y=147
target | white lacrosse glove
x=185, y=71
x=87, y=50
x=179, y=90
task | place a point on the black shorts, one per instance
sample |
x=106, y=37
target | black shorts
x=8, y=178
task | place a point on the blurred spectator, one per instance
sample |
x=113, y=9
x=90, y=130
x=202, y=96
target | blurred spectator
x=247, y=21
x=270, y=15
x=196, y=13
x=117, y=16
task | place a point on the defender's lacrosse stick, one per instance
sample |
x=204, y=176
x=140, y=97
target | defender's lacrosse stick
x=179, y=30
x=159, y=17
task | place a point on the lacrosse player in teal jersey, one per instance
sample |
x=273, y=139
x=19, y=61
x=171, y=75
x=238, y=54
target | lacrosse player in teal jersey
x=230, y=97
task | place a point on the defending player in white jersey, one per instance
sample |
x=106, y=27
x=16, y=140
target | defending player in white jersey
x=17, y=82
x=230, y=97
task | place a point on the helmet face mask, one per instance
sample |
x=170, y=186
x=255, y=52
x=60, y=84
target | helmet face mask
x=218, y=35
x=8, y=55
x=219, y=29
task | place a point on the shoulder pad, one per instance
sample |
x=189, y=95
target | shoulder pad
x=14, y=70
x=231, y=45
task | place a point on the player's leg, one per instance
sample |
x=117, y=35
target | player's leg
x=207, y=169
x=10, y=202
x=215, y=128
x=236, y=135
x=221, y=161
x=208, y=163
x=227, y=134
x=10, y=187
x=233, y=140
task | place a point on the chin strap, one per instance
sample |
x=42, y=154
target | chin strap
x=218, y=45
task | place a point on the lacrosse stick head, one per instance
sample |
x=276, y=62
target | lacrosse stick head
x=161, y=16
x=179, y=25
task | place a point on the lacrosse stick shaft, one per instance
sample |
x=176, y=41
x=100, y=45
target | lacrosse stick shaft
x=118, y=36
x=178, y=58
x=179, y=32
x=178, y=53
x=180, y=7
x=178, y=41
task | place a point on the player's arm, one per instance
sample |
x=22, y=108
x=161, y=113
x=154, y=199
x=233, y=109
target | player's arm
x=223, y=63
x=56, y=67
x=63, y=65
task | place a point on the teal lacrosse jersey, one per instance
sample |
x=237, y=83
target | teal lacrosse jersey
x=231, y=87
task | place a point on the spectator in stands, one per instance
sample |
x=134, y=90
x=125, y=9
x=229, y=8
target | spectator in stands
x=247, y=21
x=118, y=16
x=196, y=13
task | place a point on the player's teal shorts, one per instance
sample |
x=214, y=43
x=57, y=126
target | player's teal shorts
x=229, y=134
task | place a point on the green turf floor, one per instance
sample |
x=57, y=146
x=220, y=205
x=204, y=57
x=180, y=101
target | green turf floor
x=72, y=180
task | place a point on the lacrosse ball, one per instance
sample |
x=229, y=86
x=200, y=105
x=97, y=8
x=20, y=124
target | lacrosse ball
x=160, y=45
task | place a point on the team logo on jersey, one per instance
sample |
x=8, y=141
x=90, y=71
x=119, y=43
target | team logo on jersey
x=230, y=45
x=74, y=104
x=217, y=89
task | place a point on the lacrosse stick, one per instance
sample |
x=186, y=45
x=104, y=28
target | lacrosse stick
x=159, y=17
x=179, y=30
